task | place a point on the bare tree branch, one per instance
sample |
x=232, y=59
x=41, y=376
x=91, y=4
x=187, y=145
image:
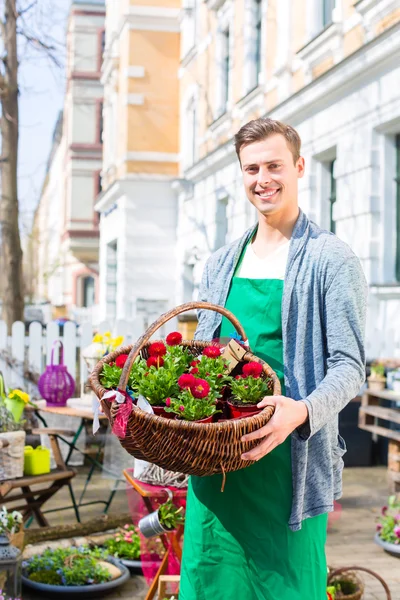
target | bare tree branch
x=27, y=9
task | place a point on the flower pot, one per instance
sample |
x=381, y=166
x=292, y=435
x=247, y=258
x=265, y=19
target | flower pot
x=150, y=525
x=376, y=385
x=393, y=549
x=96, y=590
x=240, y=411
x=12, y=456
x=160, y=412
x=16, y=407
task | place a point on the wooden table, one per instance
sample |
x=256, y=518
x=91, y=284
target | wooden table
x=370, y=414
x=86, y=416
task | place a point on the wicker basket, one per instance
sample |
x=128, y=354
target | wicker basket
x=349, y=574
x=12, y=454
x=183, y=446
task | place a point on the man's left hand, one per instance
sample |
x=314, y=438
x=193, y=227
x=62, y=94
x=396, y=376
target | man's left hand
x=289, y=414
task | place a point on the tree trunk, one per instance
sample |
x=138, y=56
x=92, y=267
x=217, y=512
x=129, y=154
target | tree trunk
x=12, y=286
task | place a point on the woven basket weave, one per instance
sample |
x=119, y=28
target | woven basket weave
x=12, y=455
x=177, y=445
x=349, y=574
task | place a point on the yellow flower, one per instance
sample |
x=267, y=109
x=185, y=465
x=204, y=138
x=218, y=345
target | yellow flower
x=98, y=338
x=115, y=342
x=19, y=394
x=107, y=334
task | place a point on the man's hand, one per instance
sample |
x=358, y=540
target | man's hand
x=289, y=414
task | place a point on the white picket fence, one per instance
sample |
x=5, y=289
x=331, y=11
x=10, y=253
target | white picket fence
x=33, y=351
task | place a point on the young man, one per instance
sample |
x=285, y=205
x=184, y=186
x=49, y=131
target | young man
x=300, y=295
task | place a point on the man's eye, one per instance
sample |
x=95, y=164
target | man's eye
x=273, y=166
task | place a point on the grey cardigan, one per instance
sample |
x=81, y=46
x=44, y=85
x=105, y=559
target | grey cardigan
x=323, y=322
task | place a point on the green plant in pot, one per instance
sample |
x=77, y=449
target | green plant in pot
x=165, y=519
x=377, y=379
x=124, y=544
x=248, y=389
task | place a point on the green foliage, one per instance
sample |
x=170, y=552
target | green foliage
x=73, y=566
x=177, y=359
x=169, y=515
x=249, y=390
x=124, y=544
x=48, y=577
x=7, y=421
x=378, y=371
x=10, y=522
x=110, y=376
x=158, y=385
x=214, y=370
x=194, y=409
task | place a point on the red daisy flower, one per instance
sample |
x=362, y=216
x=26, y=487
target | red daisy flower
x=155, y=361
x=186, y=381
x=174, y=338
x=194, y=371
x=200, y=388
x=168, y=402
x=238, y=377
x=194, y=363
x=157, y=349
x=182, y=408
x=121, y=360
x=212, y=352
x=252, y=369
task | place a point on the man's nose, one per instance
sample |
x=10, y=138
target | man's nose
x=263, y=176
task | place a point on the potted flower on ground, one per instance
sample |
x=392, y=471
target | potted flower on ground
x=377, y=379
x=165, y=519
x=125, y=545
x=247, y=390
x=388, y=528
x=79, y=571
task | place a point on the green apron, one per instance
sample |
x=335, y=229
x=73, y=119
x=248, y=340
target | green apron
x=237, y=543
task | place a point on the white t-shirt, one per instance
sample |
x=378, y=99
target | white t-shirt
x=272, y=266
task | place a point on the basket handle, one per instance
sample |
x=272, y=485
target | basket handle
x=134, y=353
x=378, y=577
x=61, y=349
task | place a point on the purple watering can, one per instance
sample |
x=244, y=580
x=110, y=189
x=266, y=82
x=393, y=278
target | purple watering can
x=56, y=385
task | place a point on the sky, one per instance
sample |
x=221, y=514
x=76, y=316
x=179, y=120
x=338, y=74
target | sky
x=42, y=89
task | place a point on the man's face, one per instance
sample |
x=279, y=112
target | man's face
x=270, y=175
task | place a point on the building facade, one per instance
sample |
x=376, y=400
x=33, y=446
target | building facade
x=138, y=207
x=330, y=68
x=66, y=225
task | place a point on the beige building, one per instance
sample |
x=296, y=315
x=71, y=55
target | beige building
x=66, y=231
x=141, y=158
x=331, y=68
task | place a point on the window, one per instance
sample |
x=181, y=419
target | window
x=332, y=196
x=226, y=68
x=327, y=12
x=253, y=44
x=221, y=222
x=190, y=134
x=88, y=291
x=100, y=123
x=397, y=180
x=223, y=66
x=257, y=39
x=111, y=280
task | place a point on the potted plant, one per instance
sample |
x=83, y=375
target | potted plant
x=388, y=528
x=165, y=519
x=125, y=545
x=10, y=555
x=16, y=402
x=12, y=442
x=247, y=390
x=83, y=571
x=377, y=379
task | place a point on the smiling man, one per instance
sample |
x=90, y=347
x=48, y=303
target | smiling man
x=300, y=295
